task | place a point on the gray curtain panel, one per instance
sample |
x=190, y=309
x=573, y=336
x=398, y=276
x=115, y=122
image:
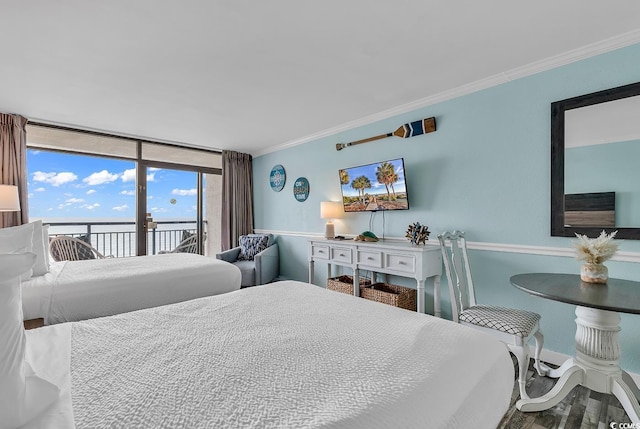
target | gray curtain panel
x=237, y=197
x=13, y=165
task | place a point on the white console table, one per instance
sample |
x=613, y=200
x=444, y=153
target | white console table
x=385, y=256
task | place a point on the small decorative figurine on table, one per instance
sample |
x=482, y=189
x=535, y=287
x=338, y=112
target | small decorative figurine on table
x=417, y=233
x=367, y=236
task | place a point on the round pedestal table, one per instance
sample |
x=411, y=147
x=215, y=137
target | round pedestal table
x=596, y=361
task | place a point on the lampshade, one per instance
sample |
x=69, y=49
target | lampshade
x=9, y=200
x=330, y=210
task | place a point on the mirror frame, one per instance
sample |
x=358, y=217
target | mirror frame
x=558, y=109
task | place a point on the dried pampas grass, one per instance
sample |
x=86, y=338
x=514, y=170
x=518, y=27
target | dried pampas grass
x=595, y=250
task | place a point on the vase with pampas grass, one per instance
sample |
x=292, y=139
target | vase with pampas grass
x=594, y=251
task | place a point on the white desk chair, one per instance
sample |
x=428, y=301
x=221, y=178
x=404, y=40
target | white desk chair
x=513, y=327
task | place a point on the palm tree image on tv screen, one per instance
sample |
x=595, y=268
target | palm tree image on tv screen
x=373, y=187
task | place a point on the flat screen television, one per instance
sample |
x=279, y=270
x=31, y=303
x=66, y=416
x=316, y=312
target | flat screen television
x=374, y=187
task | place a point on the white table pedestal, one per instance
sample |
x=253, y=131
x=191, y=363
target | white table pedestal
x=595, y=366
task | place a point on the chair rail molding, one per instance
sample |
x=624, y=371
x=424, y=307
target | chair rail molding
x=567, y=252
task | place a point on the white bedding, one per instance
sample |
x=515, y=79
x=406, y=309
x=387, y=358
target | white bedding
x=79, y=290
x=288, y=354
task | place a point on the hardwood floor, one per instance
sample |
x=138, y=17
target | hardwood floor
x=581, y=409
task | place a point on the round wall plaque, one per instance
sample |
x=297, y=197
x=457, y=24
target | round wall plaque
x=301, y=189
x=277, y=178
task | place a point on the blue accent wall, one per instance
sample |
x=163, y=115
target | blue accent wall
x=486, y=170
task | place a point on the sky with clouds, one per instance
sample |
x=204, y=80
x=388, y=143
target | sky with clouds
x=77, y=186
x=369, y=171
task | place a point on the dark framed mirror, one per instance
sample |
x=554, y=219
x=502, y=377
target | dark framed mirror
x=595, y=163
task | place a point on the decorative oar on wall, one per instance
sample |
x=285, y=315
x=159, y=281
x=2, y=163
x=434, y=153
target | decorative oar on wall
x=404, y=131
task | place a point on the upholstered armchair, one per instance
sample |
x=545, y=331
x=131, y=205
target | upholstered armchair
x=257, y=257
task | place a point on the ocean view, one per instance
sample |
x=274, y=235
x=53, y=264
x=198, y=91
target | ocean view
x=95, y=198
x=116, y=236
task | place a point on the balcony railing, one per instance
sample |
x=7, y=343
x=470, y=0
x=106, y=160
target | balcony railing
x=118, y=239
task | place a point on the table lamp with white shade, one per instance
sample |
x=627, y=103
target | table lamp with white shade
x=9, y=199
x=330, y=210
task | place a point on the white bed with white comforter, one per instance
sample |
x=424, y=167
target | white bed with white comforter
x=287, y=354
x=79, y=290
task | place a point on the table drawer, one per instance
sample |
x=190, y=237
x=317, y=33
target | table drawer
x=370, y=258
x=320, y=252
x=404, y=263
x=341, y=254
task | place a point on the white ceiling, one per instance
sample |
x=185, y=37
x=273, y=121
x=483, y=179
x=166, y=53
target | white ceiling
x=253, y=76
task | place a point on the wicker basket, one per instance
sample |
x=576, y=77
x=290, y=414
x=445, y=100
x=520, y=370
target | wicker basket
x=344, y=284
x=395, y=295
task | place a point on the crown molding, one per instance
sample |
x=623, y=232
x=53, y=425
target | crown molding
x=601, y=47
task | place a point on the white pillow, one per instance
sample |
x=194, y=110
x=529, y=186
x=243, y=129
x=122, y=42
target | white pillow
x=18, y=239
x=45, y=242
x=23, y=395
x=41, y=267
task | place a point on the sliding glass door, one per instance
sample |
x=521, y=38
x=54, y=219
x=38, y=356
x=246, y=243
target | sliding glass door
x=91, y=198
x=124, y=196
x=172, y=211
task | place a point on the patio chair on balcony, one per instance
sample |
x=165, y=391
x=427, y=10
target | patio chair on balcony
x=66, y=248
x=189, y=244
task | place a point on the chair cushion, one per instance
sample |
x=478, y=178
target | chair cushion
x=509, y=320
x=272, y=239
x=251, y=245
x=83, y=252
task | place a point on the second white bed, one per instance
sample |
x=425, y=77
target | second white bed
x=79, y=290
